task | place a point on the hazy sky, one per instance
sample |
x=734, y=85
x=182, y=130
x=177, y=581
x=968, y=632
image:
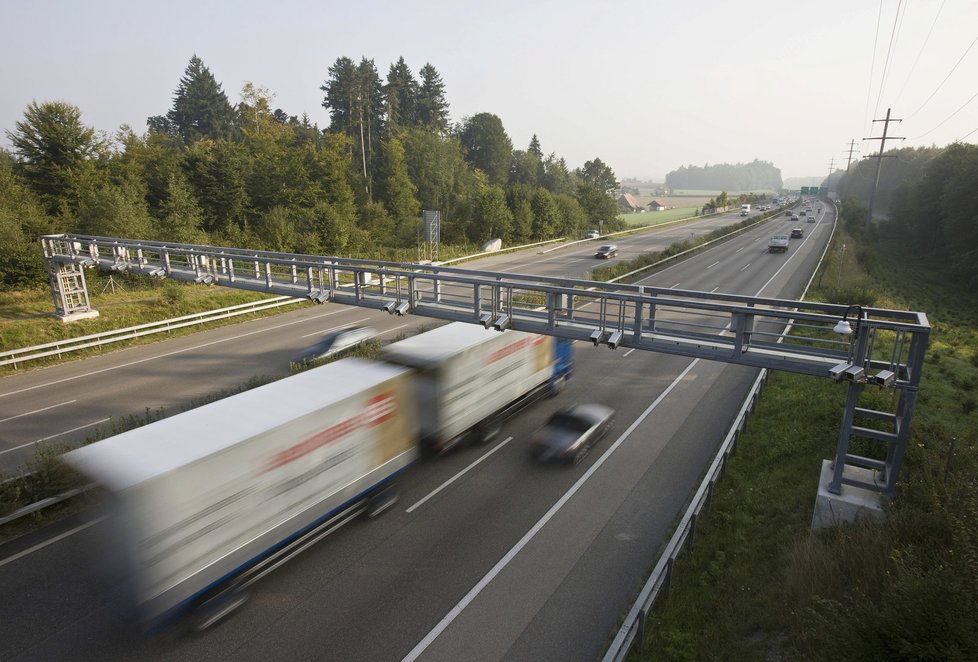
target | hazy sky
x=644, y=85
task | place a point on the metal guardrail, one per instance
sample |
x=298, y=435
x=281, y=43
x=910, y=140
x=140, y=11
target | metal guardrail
x=44, y=503
x=633, y=630
x=59, y=347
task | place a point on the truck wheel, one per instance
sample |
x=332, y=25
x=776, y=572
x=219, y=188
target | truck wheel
x=487, y=431
x=558, y=385
x=215, y=609
x=382, y=500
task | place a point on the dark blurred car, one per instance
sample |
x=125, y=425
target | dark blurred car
x=797, y=233
x=570, y=433
x=606, y=251
x=335, y=342
x=787, y=212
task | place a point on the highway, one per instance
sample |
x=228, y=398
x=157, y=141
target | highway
x=487, y=555
x=62, y=405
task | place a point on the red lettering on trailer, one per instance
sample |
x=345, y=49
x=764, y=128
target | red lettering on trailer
x=378, y=409
x=515, y=347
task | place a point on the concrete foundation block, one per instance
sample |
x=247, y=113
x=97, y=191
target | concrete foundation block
x=854, y=502
x=74, y=317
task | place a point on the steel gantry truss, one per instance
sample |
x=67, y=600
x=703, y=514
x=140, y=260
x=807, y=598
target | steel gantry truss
x=877, y=347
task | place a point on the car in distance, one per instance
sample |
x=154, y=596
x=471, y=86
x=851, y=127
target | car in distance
x=797, y=233
x=334, y=343
x=592, y=234
x=571, y=432
x=811, y=219
x=787, y=212
x=606, y=251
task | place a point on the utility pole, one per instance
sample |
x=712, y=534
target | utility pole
x=879, y=164
x=852, y=148
x=828, y=181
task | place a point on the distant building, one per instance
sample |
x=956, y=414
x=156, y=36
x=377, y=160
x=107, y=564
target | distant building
x=628, y=204
x=655, y=205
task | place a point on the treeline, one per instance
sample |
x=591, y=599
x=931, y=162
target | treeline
x=899, y=165
x=931, y=198
x=724, y=200
x=754, y=176
x=937, y=212
x=249, y=176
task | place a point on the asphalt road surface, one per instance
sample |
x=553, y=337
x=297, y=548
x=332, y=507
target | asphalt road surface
x=487, y=556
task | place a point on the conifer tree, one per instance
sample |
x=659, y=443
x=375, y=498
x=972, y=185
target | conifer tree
x=200, y=107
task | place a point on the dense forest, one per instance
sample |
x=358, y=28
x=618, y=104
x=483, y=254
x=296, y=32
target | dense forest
x=753, y=176
x=930, y=199
x=210, y=171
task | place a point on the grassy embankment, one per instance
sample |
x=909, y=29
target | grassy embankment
x=758, y=585
x=653, y=218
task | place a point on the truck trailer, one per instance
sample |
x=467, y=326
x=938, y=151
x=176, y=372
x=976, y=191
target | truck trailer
x=206, y=501
x=469, y=379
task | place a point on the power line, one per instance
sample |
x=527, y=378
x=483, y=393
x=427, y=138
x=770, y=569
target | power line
x=886, y=62
x=966, y=135
x=872, y=62
x=922, y=48
x=945, y=79
x=948, y=117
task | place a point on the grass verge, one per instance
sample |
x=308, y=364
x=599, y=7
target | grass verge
x=758, y=585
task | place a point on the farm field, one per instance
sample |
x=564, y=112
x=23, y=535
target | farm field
x=658, y=217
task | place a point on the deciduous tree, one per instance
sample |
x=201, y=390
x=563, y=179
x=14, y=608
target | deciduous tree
x=487, y=147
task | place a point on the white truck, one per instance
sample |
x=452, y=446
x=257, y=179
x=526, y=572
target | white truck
x=469, y=379
x=778, y=244
x=206, y=501
x=744, y=210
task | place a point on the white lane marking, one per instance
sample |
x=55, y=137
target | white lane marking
x=61, y=536
x=37, y=411
x=714, y=289
x=740, y=249
x=383, y=333
x=628, y=352
x=335, y=328
x=745, y=267
x=454, y=612
x=674, y=286
x=37, y=441
x=458, y=475
x=163, y=356
x=714, y=264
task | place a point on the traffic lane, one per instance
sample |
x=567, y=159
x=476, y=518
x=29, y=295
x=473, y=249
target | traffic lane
x=34, y=419
x=377, y=569
x=563, y=593
x=379, y=607
x=546, y=261
x=64, y=407
x=742, y=265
